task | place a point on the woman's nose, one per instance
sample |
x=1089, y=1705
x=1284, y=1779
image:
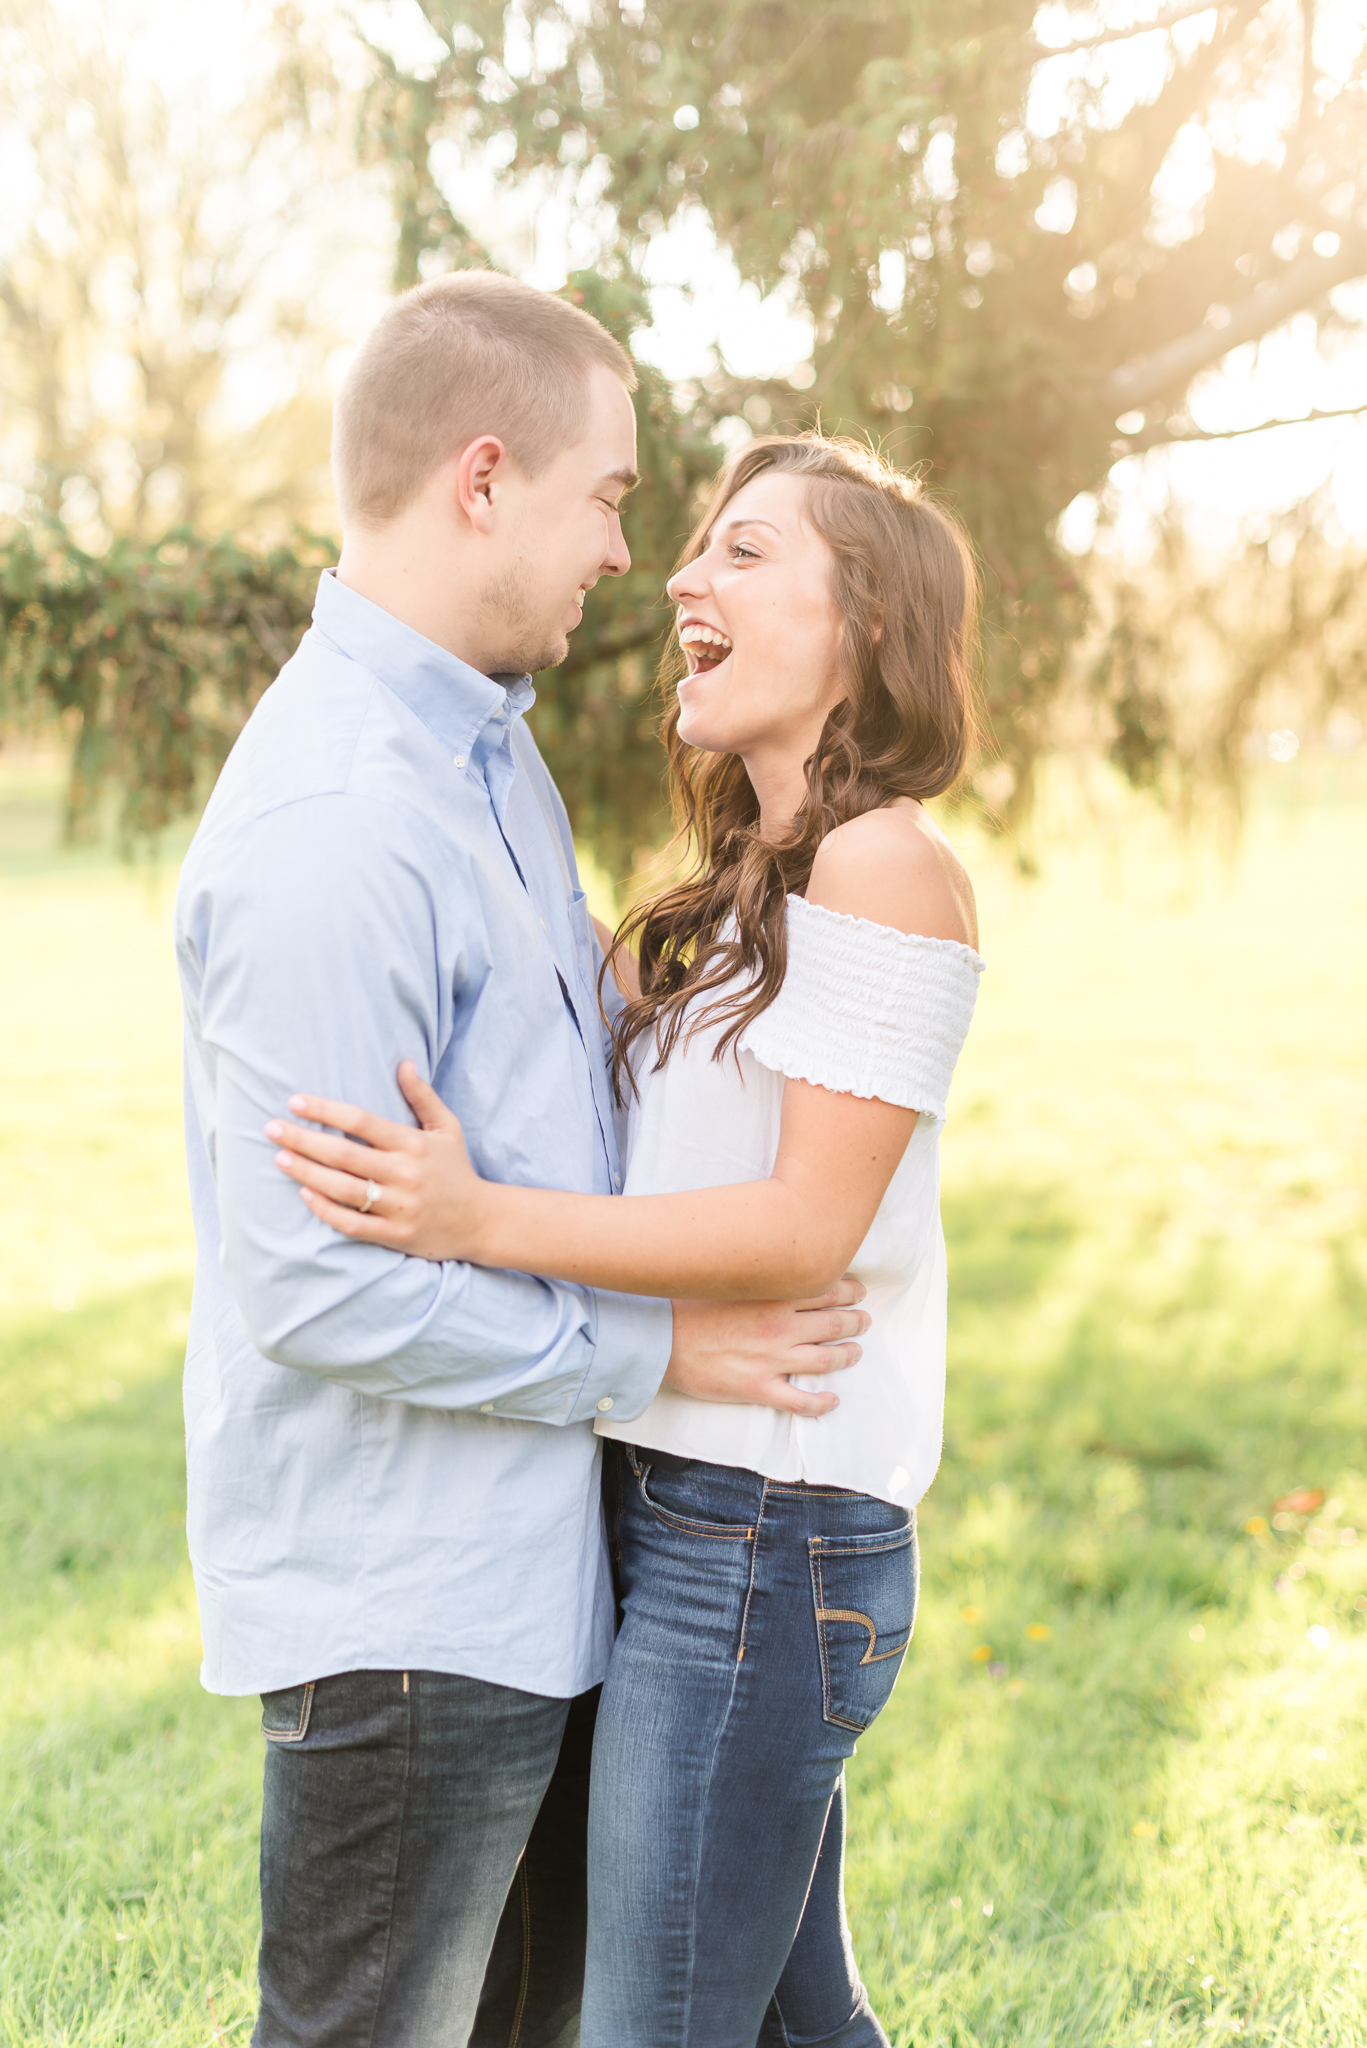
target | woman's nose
x=690, y=581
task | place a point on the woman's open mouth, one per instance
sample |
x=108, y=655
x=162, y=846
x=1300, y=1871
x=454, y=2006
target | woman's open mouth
x=705, y=647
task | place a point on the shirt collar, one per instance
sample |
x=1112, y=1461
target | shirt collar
x=454, y=701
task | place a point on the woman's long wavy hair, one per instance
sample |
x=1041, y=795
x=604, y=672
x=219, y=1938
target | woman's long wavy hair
x=906, y=587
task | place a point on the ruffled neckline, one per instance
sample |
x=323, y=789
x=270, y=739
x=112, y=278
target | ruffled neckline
x=952, y=947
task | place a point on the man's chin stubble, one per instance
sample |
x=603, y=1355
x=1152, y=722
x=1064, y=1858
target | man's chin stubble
x=506, y=614
x=527, y=660
x=548, y=657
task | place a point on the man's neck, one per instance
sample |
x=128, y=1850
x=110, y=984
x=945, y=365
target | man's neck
x=389, y=571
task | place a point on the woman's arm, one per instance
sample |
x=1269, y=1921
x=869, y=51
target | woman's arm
x=768, y=1240
x=789, y=1235
x=625, y=968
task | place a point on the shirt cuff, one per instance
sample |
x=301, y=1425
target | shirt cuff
x=633, y=1338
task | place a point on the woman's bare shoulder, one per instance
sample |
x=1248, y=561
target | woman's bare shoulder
x=895, y=867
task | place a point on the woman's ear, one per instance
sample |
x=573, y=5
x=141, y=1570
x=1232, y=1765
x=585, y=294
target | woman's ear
x=876, y=631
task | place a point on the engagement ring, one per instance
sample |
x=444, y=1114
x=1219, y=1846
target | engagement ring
x=372, y=1196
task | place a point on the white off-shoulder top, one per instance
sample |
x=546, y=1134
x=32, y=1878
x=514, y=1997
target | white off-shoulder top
x=863, y=1010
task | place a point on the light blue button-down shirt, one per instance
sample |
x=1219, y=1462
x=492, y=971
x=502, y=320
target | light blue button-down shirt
x=391, y=1463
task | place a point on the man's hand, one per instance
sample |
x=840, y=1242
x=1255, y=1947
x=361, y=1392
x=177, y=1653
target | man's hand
x=744, y=1351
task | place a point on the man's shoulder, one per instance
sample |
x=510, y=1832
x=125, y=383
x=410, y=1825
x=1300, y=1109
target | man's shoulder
x=322, y=774
x=329, y=728
x=307, y=735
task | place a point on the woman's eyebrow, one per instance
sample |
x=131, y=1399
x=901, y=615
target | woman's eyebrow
x=734, y=524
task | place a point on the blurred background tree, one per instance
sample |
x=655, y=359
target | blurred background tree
x=1010, y=307
x=163, y=258
x=1012, y=277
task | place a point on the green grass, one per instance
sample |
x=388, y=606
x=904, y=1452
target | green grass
x=1118, y=1796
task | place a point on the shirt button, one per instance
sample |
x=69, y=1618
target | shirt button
x=459, y=760
x=605, y=1404
x=617, y=1180
x=486, y=1407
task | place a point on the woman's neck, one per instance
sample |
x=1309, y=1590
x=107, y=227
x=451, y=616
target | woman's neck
x=779, y=779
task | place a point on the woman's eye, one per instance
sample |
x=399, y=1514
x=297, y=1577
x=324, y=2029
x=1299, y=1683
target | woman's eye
x=741, y=553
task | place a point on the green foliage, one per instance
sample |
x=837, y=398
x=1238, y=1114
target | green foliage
x=154, y=653
x=1188, y=658
x=874, y=161
x=1004, y=307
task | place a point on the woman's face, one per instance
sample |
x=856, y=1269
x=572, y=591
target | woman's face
x=759, y=627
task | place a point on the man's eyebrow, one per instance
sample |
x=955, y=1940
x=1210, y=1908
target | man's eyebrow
x=627, y=478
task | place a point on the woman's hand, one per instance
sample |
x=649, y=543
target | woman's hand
x=412, y=1190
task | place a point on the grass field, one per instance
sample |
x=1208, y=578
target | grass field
x=1118, y=1797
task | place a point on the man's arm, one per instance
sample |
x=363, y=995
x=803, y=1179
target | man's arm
x=320, y=958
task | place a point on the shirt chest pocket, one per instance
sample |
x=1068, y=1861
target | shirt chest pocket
x=585, y=959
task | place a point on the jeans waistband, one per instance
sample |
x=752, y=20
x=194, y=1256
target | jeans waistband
x=666, y=1460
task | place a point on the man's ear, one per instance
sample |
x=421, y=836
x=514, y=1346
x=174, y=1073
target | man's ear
x=476, y=468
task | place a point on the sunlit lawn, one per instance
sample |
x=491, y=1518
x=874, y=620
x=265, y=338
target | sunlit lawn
x=1118, y=1797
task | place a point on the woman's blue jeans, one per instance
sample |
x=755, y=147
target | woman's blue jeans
x=763, y=1627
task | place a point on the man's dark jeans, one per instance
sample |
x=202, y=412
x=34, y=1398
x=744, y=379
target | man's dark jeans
x=398, y=1907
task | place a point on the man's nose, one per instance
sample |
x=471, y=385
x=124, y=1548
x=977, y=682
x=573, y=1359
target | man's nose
x=617, y=560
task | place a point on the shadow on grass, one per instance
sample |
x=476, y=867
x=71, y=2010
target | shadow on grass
x=1120, y=1426
x=1116, y=1421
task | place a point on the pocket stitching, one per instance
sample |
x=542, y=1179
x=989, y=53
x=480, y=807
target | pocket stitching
x=829, y=1547
x=870, y=1656
x=295, y=1734
x=819, y=1549
x=730, y=1532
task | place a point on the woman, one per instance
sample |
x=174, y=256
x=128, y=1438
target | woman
x=784, y=1048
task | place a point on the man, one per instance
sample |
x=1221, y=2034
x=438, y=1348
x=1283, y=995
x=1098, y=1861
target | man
x=393, y=1508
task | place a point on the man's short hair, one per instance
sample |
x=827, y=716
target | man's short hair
x=468, y=354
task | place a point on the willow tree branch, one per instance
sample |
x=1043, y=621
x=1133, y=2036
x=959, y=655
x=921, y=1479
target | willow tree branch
x=1165, y=436
x=1177, y=362
x=1167, y=17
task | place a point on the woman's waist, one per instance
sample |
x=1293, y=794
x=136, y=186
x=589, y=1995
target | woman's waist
x=741, y=1497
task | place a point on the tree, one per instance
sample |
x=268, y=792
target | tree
x=154, y=653
x=1189, y=659
x=1007, y=299
x=163, y=250
x=1009, y=303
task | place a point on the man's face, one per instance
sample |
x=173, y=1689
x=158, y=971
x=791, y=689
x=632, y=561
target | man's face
x=565, y=532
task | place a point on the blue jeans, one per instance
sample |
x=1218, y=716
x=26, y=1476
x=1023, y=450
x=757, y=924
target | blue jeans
x=422, y=1864
x=763, y=1627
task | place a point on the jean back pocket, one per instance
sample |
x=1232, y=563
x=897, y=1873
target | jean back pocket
x=864, y=1592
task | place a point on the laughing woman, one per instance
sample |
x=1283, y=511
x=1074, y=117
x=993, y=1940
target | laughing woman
x=784, y=1050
